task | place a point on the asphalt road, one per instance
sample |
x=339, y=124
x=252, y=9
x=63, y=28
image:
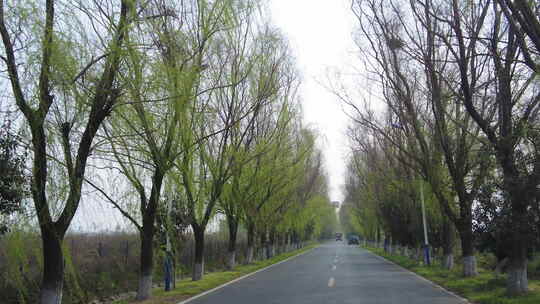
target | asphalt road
x=331, y=273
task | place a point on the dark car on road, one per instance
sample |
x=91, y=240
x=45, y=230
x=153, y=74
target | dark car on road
x=353, y=240
x=339, y=236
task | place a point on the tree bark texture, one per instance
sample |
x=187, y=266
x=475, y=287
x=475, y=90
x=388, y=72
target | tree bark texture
x=467, y=247
x=147, y=233
x=250, y=244
x=448, y=245
x=231, y=253
x=517, y=282
x=198, y=264
x=53, y=271
x=271, y=244
x=144, y=290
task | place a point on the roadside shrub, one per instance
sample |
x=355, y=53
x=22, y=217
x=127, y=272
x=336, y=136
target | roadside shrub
x=486, y=260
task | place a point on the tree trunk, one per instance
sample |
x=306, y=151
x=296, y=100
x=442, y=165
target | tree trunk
x=279, y=244
x=419, y=254
x=271, y=244
x=287, y=242
x=264, y=245
x=198, y=264
x=147, y=238
x=386, y=245
x=250, y=243
x=53, y=270
x=147, y=263
x=517, y=282
x=501, y=265
x=448, y=261
x=467, y=248
x=448, y=245
x=231, y=254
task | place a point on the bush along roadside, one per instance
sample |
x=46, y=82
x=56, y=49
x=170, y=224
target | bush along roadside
x=486, y=288
x=187, y=288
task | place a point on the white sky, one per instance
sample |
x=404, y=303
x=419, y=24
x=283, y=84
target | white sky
x=320, y=33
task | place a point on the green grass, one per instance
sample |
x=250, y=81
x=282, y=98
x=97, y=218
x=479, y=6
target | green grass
x=486, y=288
x=187, y=288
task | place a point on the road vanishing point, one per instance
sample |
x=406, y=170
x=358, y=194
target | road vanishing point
x=331, y=273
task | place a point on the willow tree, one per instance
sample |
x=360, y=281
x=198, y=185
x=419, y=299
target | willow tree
x=165, y=65
x=267, y=86
x=357, y=212
x=64, y=94
x=307, y=198
x=207, y=141
x=249, y=96
x=270, y=167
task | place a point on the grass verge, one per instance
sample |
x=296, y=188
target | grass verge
x=486, y=288
x=187, y=288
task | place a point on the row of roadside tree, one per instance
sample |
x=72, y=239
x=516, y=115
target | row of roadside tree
x=460, y=127
x=175, y=112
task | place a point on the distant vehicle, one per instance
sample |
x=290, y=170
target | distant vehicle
x=353, y=240
x=339, y=236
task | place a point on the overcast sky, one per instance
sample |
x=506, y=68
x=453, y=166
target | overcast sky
x=320, y=33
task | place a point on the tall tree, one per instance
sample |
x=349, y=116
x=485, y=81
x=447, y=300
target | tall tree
x=59, y=102
x=510, y=130
x=455, y=140
x=267, y=85
x=209, y=144
x=162, y=88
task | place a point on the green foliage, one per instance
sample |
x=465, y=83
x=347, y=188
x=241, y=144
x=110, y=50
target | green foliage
x=186, y=106
x=384, y=195
x=18, y=247
x=13, y=181
x=74, y=291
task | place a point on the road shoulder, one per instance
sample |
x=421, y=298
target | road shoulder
x=187, y=290
x=485, y=288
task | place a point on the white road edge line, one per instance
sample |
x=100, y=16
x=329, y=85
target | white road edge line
x=420, y=277
x=243, y=277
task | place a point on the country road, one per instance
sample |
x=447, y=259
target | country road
x=331, y=273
